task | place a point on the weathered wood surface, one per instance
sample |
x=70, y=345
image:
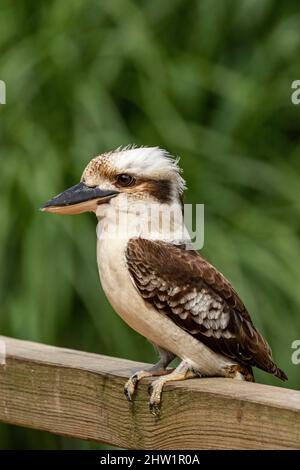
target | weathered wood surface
x=79, y=394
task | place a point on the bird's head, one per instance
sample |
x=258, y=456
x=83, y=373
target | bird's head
x=146, y=174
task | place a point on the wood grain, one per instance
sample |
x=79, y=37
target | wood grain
x=80, y=394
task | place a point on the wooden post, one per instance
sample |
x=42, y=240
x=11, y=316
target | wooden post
x=80, y=394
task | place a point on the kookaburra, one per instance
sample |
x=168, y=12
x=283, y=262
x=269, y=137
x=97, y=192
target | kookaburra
x=159, y=286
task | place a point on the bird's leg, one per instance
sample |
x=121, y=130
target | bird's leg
x=158, y=369
x=182, y=372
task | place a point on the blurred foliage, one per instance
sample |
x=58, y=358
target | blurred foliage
x=208, y=80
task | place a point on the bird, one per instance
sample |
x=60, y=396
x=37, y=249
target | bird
x=155, y=280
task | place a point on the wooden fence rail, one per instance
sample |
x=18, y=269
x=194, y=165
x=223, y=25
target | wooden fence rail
x=79, y=394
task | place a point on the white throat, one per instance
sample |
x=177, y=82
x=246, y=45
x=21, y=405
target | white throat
x=123, y=219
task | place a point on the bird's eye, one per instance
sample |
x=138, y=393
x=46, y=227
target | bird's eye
x=125, y=180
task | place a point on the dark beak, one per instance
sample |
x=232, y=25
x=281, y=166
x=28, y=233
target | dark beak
x=77, y=199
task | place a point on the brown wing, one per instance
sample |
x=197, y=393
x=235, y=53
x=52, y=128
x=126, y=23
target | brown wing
x=183, y=285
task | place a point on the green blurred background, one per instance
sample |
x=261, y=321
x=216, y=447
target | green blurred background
x=208, y=80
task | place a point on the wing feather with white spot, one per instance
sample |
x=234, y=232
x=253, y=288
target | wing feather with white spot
x=181, y=284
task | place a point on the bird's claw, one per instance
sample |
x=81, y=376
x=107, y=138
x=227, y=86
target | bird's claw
x=130, y=386
x=155, y=391
x=154, y=408
x=127, y=394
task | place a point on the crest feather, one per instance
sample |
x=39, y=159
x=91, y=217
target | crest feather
x=152, y=162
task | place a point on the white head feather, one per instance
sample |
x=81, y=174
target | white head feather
x=148, y=162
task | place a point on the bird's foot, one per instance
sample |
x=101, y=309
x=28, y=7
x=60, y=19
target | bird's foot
x=155, y=392
x=239, y=372
x=182, y=372
x=132, y=382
